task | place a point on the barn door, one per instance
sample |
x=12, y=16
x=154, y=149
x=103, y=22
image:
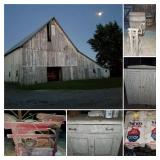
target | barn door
x=53, y=73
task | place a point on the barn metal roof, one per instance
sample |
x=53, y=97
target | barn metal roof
x=23, y=41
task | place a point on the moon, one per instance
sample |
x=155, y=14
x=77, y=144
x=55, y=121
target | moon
x=99, y=13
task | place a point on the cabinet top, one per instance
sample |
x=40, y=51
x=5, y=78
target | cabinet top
x=141, y=67
x=84, y=119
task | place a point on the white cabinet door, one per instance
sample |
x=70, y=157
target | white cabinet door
x=153, y=88
x=106, y=145
x=148, y=87
x=78, y=144
x=103, y=145
x=93, y=144
x=132, y=80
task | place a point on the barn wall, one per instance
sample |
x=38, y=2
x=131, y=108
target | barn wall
x=34, y=75
x=12, y=66
x=87, y=69
x=67, y=73
x=59, y=52
x=38, y=53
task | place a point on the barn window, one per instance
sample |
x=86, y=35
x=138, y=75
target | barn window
x=49, y=32
x=16, y=73
x=9, y=74
x=94, y=71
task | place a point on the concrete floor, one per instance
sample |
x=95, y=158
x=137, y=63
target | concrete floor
x=147, y=43
x=63, y=99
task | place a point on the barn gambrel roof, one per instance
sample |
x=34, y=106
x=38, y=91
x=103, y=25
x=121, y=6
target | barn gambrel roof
x=26, y=39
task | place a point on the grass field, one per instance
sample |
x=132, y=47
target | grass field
x=71, y=85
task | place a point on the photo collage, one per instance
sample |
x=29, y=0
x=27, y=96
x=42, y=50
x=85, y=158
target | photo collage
x=80, y=80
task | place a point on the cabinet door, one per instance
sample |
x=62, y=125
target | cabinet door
x=103, y=146
x=148, y=87
x=132, y=80
x=78, y=144
x=106, y=145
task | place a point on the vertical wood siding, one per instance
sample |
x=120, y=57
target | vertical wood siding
x=12, y=66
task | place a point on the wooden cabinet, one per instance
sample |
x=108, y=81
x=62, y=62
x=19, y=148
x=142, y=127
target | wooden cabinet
x=93, y=139
x=78, y=144
x=140, y=84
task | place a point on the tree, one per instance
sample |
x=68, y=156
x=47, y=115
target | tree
x=107, y=43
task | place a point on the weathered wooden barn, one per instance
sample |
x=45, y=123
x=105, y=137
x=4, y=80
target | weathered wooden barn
x=47, y=55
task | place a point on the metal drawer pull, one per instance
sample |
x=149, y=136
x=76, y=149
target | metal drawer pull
x=72, y=129
x=109, y=129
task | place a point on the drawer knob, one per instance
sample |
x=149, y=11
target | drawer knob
x=109, y=129
x=72, y=129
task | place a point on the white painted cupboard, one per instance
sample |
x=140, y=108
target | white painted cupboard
x=94, y=137
x=140, y=84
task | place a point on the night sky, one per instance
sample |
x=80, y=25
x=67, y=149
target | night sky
x=78, y=21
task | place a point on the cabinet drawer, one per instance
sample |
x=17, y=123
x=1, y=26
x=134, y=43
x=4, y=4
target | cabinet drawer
x=94, y=128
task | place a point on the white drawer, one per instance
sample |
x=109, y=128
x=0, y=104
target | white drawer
x=94, y=128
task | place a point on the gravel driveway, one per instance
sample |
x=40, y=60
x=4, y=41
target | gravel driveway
x=63, y=99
